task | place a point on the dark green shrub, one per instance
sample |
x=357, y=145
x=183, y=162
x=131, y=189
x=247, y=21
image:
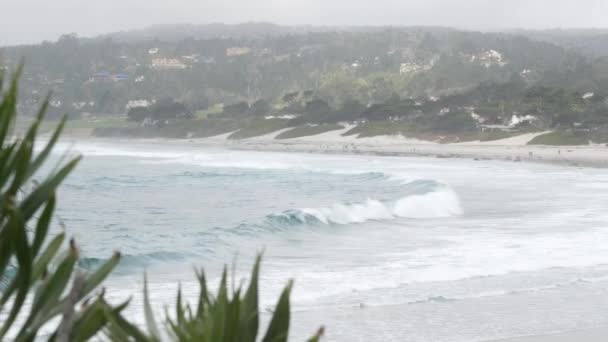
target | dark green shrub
x=40, y=283
x=42, y=276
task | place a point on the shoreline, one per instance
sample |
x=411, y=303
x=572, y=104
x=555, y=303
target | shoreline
x=514, y=149
x=556, y=155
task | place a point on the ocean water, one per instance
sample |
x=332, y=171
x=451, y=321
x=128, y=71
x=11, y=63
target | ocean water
x=381, y=248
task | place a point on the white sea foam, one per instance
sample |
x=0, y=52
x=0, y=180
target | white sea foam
x=442, y=202
x=107, y=150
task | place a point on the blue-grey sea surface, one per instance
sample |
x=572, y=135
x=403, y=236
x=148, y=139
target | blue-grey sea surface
x=380, y=248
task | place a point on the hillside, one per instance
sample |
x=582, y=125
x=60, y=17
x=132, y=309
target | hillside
x=219, y=65
x=589, y=42
x=437, y=80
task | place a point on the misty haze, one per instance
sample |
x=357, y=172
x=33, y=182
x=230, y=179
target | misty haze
x=304, y=170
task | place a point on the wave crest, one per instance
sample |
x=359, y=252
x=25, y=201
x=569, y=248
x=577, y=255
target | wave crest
x=442, y=202
x=128, y=261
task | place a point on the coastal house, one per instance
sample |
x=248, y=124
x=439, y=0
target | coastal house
x=207, y=60
x=237, y=51
x=281, y=58
x=412, y=68
x=263, y=52
x=409, y=68
x=444, y=111
x=101, y=76
x=79, y=105
x=478, y=118
x=106, y=76
x=167, y=64
x=138, y=103
x=588, y=95
x=120, y=77
x=284, y=116
x=192, y=59
x=488, y=58
x=516, y=120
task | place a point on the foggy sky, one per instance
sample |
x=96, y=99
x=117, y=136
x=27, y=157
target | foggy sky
x=30, y=21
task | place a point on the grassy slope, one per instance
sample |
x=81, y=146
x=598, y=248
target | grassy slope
x=202, y=128
x=560, y=138
x=259, y=127
x=372, y=129
x=181, y=129
x=215, y=109
x=303, y=131
x=376, y=128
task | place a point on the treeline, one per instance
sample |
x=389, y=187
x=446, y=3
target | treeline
x=161, y=111
x=490, y=103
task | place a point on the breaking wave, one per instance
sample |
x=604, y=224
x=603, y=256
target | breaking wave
x=128, y=261
x=442, y=202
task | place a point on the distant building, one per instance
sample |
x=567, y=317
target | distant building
x=281, y=58
x=284, y=117
x=167, y=64
x=79, y=105
x=120, y=77
x=101, y=76
x=444, y=111
x=516, y=120
x=207, y=59
x=153, y=51
x=489, y=58
x=525, y=72
x=478, y=118
x=138, y=103
x=588, y=95
x=264, y=52
x=237, y=51
x=106, y=76
x=412, y=68
x=191, y=58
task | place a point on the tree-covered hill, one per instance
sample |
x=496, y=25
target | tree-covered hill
x=202, y=66
x=186, y=80
x=589, y=42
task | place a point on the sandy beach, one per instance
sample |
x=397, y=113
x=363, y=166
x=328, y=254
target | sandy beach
x=590, y=335
x=511, y=149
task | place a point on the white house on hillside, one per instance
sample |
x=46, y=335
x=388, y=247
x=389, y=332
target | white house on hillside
x=167, y=64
